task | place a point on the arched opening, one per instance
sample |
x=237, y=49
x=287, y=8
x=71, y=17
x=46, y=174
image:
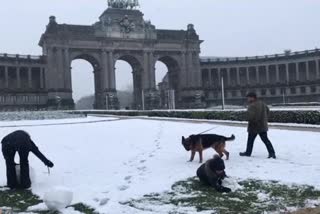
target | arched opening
x=124, y=84
x=83, y=88
x=161, y=72
x=129, y=82
x=167, y=80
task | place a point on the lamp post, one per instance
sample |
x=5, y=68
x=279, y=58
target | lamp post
x=222, y=94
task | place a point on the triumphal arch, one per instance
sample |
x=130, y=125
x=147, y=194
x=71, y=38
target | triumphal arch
x=122, y=33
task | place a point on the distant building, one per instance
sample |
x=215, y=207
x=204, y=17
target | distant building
x=44, y=82
x=291, y=77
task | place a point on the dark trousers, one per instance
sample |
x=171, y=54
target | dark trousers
x=9, y=154
x=265, y=140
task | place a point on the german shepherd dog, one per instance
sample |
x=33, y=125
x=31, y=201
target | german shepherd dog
x=198, y=143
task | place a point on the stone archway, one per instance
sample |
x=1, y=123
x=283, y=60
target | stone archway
x=137, y=75
x=123, y=34
x=170, y=86
x=94, y=62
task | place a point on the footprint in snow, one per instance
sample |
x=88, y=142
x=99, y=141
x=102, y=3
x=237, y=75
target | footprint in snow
x=104, y=201
x=128, y=178
x=143, y=168
x=123, y=188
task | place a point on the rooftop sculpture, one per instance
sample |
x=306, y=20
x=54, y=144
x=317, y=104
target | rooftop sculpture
x=123, y=4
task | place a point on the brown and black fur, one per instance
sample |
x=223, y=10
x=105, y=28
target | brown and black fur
x=199, y=143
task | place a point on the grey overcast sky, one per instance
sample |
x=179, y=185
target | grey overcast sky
x=228, y=27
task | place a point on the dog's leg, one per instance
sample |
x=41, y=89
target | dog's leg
x=201, y=155
x=227, y=154
x=193, y=153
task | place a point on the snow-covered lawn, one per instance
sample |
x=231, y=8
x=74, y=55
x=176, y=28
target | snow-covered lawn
x=114, y=161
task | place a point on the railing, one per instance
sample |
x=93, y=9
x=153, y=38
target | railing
x=274, y=56
x=18, y=56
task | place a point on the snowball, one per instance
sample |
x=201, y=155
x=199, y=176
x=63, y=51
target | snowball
x=58, y=198
x=232, y=184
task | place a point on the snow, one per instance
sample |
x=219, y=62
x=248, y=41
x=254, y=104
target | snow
x=108, y=162
x=58, y=198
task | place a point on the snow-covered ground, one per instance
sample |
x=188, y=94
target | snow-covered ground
x=112, y=161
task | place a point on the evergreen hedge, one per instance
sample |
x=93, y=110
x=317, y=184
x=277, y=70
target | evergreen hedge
x=299, y=117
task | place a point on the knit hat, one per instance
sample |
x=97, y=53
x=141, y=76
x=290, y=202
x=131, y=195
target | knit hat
x=218, y=164
x=252, y=95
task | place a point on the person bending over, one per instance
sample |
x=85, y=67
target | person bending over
x=20, y=142
x=212, y=173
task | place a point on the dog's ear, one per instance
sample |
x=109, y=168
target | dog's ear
x=183, y=140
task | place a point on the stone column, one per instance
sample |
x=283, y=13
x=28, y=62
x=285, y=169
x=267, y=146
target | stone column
x=29, y=77
x=229, y=76
x=152, y=71
x=258, y=75
x=41, y=78
x=61, y=66
x=307, y=70
x=317, y=69
x=248, y=76
x=219, y=76
x=145, y=71
x=210, y=77
x=277, y=73
x=297, y=72
x=267, y=74
x=6, y=77
x=67, y=70
x=112, y=71
x=18, y=77
x=238, y=76
x=287, y=73
x=184, y=73
x=105, y=77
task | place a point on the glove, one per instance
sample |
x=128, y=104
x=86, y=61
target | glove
x=225, y=189
x=49, y=164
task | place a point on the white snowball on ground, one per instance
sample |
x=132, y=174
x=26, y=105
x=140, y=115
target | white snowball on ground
x=58, y=198
x=232, y=184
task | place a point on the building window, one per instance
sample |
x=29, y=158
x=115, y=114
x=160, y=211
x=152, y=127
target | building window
x=234, y=93
x=293, y=90
x=303, y=90
x=313, y=89
x=263, y=92
x=243, y=93
x=273, y=91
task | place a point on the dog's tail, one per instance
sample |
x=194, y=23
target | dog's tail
x=232, y=138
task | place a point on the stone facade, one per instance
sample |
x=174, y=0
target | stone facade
x=292, y=77
x=22, y=82
x=122, y=34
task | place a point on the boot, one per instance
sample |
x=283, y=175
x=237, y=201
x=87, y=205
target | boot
x=272, y=156
x=244, y=154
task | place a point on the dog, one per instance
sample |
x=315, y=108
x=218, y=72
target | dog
x=201, y=142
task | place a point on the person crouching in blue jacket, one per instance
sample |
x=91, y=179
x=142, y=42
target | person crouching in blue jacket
x=20, y=142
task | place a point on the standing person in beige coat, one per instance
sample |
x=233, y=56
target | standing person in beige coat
x=258, y=113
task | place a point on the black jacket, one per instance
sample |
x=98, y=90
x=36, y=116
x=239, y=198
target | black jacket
x=20, y=141
x=206, y=174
